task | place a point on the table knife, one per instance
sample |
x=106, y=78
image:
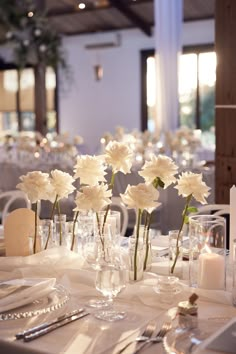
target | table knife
x=44, y=325
x=42, y=332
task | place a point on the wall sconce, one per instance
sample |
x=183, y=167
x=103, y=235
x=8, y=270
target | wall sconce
x=98, y=69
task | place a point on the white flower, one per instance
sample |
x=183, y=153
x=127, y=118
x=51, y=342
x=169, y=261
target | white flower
x=93, y=198
x=61, y=183
x=192, y=184
x=36, y=185
x=143, y=196
x=90, y=169
x=162, y=167
x=119, y=156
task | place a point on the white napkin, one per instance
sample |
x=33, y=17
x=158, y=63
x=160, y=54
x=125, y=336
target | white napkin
x=18, y=292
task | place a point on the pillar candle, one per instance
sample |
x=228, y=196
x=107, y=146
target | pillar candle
x=211, y=271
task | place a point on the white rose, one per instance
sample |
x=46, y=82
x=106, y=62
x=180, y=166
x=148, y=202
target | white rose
x=143, y=196
x=93, y=198
x=61, y=183
x=162, y=167
x=36, y=185
x=90, y=169
x=192, y=183
x=119, y=156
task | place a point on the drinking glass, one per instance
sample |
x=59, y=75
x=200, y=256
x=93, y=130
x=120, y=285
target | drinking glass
x=110, y=280
x=98, y=249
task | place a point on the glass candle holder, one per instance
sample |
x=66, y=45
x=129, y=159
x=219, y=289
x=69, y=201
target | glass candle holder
x=207, y=266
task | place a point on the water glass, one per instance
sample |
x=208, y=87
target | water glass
x=110, y=281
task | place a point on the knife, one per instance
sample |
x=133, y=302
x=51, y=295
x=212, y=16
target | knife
x=44, y=325
x=42, y=332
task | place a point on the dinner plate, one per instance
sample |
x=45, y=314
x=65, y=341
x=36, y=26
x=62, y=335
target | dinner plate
x=54, y=300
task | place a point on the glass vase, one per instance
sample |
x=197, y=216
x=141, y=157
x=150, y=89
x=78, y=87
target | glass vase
x=59, y=232
x=176, y=253
x=45, y=231
x=207, y=266
x=136, y=258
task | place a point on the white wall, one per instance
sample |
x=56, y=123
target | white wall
x=89, y=107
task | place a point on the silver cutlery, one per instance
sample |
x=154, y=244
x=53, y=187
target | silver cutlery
x=42, y=332
x=147, y=333
x=44, y=325
x=157, y=339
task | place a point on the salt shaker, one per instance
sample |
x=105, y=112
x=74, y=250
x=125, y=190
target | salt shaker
x=188, y=312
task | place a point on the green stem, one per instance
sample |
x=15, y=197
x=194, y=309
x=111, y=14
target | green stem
x=111, y=185
x=100, y=234
x=51, y=218
x=136, y=243
x=188, y=199
x=35, y=227
x=73, y=232
x=59, y=217
x=148, y=220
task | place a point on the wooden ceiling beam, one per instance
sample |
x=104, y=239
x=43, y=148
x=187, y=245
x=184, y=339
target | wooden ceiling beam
x=132, y=16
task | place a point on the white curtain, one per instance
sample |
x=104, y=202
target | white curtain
x=168, y=28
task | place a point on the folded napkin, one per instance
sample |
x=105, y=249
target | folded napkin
x=18, y=292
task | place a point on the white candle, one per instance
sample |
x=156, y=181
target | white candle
x=211, y=271
x=232, y=227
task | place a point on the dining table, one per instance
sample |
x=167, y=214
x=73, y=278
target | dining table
x=89, y=335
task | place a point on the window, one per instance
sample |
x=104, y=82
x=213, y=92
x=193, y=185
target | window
x=17, y=99
x=196, y=88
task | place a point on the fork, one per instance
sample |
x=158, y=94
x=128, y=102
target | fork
x=147, y=333
x=157, y=339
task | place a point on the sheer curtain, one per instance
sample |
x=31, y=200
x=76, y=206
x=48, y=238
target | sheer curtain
x=168, y=28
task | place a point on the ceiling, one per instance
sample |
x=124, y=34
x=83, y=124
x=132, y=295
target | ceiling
x=107, y=15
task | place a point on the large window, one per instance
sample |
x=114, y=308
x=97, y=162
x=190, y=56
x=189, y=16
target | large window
x=196, y=88
x=17, y=99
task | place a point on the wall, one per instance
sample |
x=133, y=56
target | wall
x=88, y=107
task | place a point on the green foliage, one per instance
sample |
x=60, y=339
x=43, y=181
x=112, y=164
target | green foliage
x=33, y=39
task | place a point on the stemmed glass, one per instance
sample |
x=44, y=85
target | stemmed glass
x=98, y=249
x=111, y=279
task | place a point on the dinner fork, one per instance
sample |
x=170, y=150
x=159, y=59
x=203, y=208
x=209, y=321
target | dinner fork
x=157, y=339
x=147, y=333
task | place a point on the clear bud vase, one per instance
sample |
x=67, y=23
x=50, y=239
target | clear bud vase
x=60, y=229
x=136, y=258
x=176, y=253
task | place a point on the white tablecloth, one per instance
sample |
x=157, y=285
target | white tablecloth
x=89, y=335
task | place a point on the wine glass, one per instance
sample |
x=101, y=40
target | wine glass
x=98, y=249
x=110, y=280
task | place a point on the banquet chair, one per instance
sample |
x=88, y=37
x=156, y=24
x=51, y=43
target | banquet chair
x=11, y=200
x=116, y=204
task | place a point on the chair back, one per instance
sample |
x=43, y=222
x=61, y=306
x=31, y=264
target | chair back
x=12, y=200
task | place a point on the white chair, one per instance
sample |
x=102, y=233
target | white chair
x=11, y=200
x=116, y=204
x=216, y=209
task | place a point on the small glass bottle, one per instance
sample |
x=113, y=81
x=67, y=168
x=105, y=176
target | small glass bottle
x=188, y=313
